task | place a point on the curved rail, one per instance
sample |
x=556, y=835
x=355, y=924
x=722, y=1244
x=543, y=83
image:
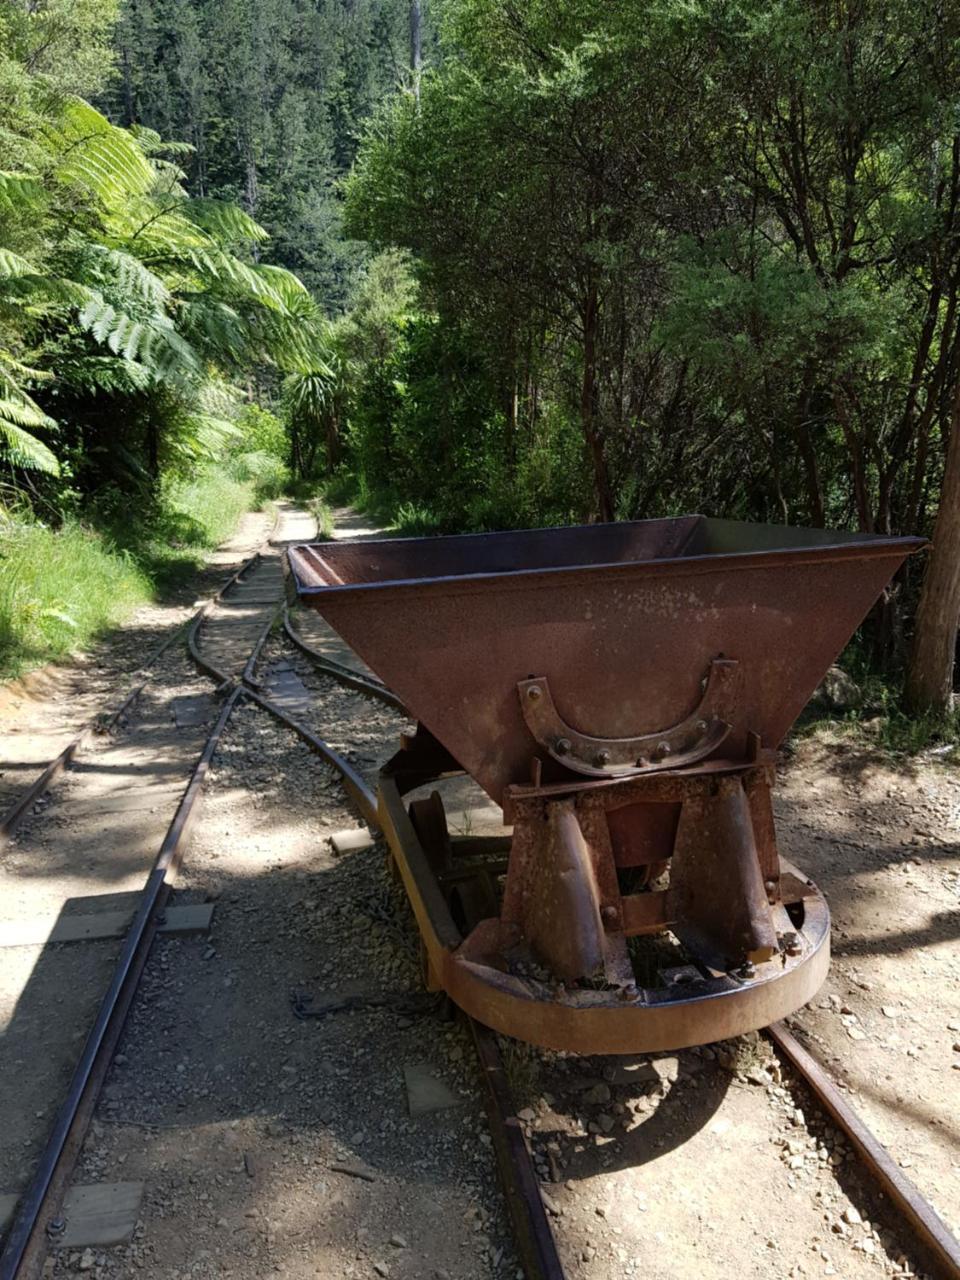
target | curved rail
x=354, y=679
x=25, y=1244
x=97, y=724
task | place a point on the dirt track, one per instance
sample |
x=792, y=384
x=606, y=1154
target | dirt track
x=234, y=1113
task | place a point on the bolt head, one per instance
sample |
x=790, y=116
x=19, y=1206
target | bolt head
x=702, y=726
x=603, y=758
x=562, y=746
x=609, y=913
x=534, y=692
x=56, y=1226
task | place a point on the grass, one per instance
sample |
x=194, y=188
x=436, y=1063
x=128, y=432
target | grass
x=60, y=588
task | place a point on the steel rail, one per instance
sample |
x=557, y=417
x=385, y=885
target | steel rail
x=532, y=1231
x=25, y=1242
x=97, y=724
x=25, y=1245
x=933, y=1239
x=354, y=679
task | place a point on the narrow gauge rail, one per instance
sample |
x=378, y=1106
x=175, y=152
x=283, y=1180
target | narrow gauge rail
x=104, y=722
x=934, y=1244
x=26, y=1242
x=229, y=656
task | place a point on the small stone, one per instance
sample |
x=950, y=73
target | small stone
x=527, y=1114
x=605, y=1122
x=852, y=1216
x=890, y=1011
x=86, y=1260
x=398, y=1241
x=597, y=1094
x=855, y=1033
x=381, y=1268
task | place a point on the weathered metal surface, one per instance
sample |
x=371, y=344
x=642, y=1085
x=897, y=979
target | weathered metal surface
x=622, y=620
x=475, y=973
x=694, y=738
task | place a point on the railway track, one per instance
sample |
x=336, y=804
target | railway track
x=226, y=640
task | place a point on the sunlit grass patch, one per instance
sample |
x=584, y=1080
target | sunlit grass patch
x=58, y=589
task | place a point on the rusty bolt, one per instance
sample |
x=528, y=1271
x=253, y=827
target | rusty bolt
x=628, y=992
x=602, y=758
x=641, y=761
x=56, y=1227
x=562, y=746
x=663, y=750
x=534, y=692
x=609, y=913
x=747, y=970
x=791, y=944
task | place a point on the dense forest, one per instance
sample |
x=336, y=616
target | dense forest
x=589, y=261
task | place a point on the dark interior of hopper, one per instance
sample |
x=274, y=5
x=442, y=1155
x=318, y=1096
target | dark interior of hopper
x=534, y=549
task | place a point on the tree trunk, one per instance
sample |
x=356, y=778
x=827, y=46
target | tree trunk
x=588, y=406
x=930, y=677
x=415, y=49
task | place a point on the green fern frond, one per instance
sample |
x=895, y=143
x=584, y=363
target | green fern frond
x=19, y=190
x=17, y=444
x=93, y=153
x=226, y=223
x=12, y=264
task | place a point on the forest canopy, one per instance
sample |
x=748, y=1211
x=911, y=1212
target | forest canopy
x=589, y=261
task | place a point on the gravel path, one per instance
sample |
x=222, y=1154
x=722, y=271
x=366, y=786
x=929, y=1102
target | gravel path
x=271, y=1144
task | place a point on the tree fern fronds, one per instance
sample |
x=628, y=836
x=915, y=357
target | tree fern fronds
x=95, y=374
x=18, y=190
x=93, y=153
x=126, y=276
x=226, y=223
x=12, y=264
x=17, y=444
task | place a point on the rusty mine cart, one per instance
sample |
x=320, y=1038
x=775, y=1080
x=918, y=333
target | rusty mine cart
x=619, y=691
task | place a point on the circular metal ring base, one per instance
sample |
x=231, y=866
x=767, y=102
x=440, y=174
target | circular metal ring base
x=698, y=1010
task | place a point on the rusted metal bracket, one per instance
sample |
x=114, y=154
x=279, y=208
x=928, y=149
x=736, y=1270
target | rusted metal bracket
x=694, y=738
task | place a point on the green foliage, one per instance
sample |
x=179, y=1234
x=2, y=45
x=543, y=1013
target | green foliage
x=272, y=97
x=58, y=589
x=670, y=258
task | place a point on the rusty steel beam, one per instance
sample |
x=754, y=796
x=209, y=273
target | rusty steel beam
x=927, y=1227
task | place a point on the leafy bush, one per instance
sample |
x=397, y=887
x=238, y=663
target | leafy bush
x=265, y=471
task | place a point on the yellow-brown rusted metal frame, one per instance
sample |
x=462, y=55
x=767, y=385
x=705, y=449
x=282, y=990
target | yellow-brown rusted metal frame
x=586, y=1021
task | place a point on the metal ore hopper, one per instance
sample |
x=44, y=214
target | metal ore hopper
x=619, y=690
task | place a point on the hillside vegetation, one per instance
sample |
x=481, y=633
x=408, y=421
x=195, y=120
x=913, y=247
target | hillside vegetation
x=590, y=261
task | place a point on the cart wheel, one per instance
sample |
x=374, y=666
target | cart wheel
x=429, y=821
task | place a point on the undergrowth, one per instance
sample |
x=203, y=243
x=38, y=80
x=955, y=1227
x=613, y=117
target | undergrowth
x=58, y=589
x=62, y=586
